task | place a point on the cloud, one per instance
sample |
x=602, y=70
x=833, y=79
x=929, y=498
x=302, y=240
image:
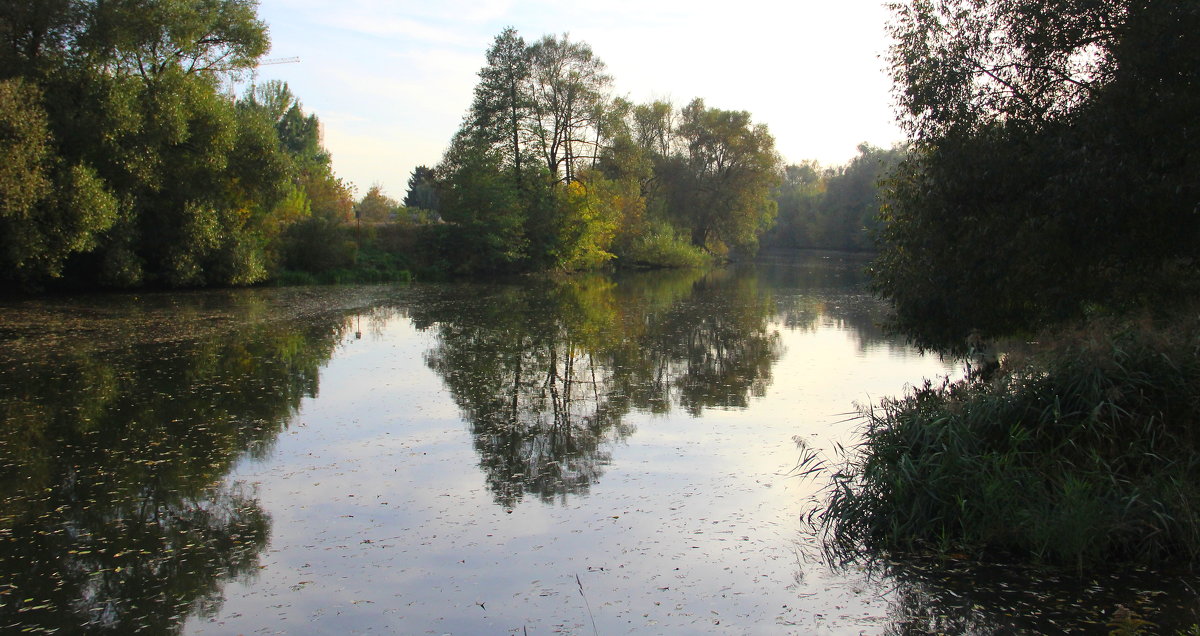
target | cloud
x=399, y=74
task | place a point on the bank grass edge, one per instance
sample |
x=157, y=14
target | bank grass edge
x=1081, y=454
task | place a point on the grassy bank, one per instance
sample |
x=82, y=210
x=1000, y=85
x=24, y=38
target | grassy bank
x=1081, y=454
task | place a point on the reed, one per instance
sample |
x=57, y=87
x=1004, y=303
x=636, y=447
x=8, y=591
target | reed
x=1081, y=454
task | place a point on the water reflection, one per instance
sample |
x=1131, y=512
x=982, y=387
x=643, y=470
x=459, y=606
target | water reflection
x=946, y=596
x=121, y=420
x=545, y=373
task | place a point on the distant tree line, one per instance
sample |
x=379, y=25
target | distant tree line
x=832, y=208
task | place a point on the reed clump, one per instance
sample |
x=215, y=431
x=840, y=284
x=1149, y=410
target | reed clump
x=1080, y=454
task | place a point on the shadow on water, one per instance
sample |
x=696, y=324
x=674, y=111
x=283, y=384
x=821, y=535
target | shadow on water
x=122, y=417
x=947, y=596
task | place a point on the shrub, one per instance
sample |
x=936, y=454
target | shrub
x=661, y=247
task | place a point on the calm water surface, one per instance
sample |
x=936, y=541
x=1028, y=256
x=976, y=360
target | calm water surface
x=591, y=456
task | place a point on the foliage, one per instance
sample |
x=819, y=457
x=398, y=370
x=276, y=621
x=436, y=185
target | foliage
x=422, y=190
x=550, y=172
x=834, y=208
x=49, y=209
x=661, y=246
x=722, y=195
x=131, y=168
x=1054, y=165
x=482, y=204
x=1084, y=454
x=376, y=206
x=567, y=90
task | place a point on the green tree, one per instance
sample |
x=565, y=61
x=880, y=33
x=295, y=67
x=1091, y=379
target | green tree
x=49, y=209
x=422, y=190
x=485, y=214
x=568, y=91
x=1054, y=167
x=34, y=35
x=152, y=38
x=722, y=192
x=376, y=206
x=146, y=173
x=500, y=111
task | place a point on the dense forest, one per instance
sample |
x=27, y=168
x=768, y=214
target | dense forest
x=133, y=163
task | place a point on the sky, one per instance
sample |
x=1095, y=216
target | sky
x=391, y=79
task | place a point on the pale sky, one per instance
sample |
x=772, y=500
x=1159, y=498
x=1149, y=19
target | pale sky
x=391, y=80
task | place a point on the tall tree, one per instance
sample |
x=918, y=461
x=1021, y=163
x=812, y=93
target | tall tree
x=502, y=105
x=569, y=85
x=485, y=211
x=422, y=189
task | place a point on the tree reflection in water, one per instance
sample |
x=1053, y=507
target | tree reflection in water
x=546, y=373
x=118, y=435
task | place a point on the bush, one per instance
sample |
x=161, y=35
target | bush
x=660, y=247
x=1086, y=452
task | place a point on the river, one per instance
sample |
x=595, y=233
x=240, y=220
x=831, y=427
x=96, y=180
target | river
x=590, y=455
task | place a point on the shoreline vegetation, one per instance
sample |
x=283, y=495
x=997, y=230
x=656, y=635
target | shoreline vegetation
x=1081, y=453
x=135, y=165
x=1049, y=196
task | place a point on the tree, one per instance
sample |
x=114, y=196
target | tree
x=723, y=194
x=654, y=127
x=130, y=168
x=798, y=197
x=422, y=190
x=502, y=104
x=486, y=215
x=376, y=206
x=149, y=39
x=49, y=210
x=569, y=84
x=1054, y=166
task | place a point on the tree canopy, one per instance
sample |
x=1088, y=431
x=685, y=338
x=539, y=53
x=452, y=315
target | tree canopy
x=549, y=170
x=1055, y=169
x=131, y=167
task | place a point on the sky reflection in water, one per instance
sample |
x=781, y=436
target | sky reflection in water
x=483, y=459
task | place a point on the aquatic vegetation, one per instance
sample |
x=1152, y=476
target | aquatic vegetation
x=1082, y=454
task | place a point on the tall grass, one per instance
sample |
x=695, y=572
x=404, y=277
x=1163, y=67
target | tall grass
x=1084, y=453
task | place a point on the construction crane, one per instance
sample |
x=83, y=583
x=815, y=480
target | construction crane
x=278, y=60
x=233, y=81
